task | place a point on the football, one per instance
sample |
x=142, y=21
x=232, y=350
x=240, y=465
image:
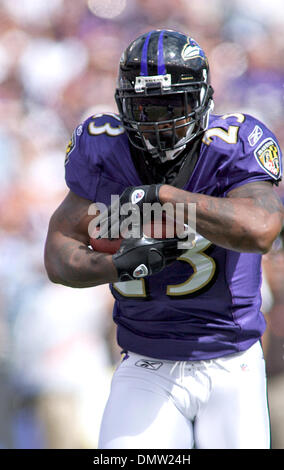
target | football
x=150, y=229
x=104, y=245
x=154, y=229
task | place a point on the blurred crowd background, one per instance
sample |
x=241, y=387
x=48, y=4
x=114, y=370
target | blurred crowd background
x=58, y=65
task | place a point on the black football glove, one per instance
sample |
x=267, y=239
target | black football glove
x=135, y=196
x=142, y=257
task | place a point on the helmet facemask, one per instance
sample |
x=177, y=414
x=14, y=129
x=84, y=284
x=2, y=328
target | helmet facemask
x=162, y=123
x=164, y=95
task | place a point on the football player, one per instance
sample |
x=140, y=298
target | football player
x=188, y=321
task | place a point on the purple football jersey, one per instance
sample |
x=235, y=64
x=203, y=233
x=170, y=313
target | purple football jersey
x=206, y=304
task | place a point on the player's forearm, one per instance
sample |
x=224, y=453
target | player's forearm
x=73, y=264
x=234, y=223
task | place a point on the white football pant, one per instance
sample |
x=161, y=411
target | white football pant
x=212, y=404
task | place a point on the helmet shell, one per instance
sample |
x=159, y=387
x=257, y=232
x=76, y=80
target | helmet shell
x=158, y=63
x=162, y=52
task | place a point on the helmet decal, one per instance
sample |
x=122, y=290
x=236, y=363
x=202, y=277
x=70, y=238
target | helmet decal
x=161, y=62
x=144, y=63
x=160, y=53
x=192, y=50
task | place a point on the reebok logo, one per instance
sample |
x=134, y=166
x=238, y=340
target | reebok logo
x=255, y=135
x=147, y=364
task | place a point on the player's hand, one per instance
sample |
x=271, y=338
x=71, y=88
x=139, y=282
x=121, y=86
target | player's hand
x=134, y=197
x=142, y=257
x=141, y=194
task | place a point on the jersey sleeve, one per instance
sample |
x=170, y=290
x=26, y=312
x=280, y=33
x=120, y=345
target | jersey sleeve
x=81, y=174
x=256, y=155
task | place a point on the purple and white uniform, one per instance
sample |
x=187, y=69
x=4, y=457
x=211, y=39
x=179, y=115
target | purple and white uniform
x=194, y=371
x=206, y=305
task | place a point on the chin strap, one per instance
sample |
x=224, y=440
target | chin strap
x=168, y=155
x=172, y=154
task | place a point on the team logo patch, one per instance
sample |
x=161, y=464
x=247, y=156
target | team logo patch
x=72, y=142
x=69, y=148
x=147, y=364
x=125, y=357
x=267, y=155
x=255, y=135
